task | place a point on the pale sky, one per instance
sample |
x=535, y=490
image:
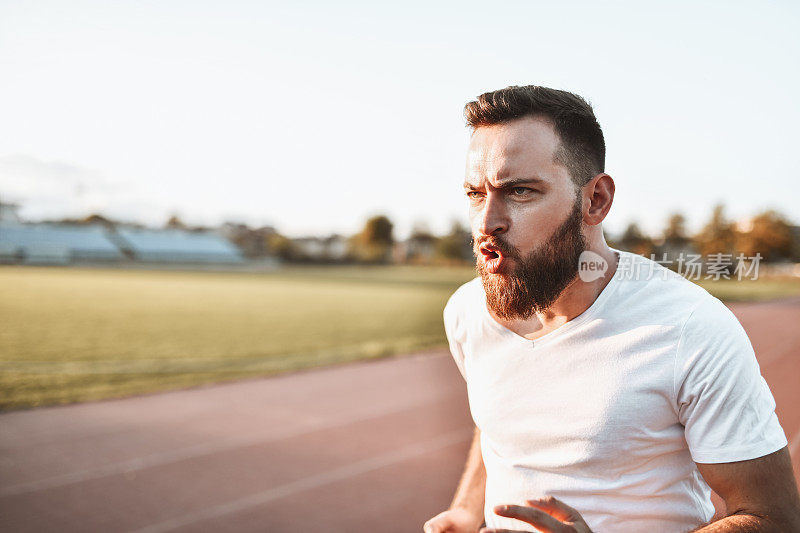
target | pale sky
x=310, y=116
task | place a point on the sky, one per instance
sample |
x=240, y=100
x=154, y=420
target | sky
x=312, y=116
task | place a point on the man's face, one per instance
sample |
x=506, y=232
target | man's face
x=525, y=216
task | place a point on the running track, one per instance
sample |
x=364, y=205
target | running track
x=367, y=447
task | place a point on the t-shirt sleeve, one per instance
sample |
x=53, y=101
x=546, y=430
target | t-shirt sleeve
x=721, y=398
x=451, y=326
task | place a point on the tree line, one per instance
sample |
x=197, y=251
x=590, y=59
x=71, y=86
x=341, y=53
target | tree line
x=375, y=243
x=768, y=233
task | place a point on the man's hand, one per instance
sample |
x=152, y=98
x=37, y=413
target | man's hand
x=549, y=515
x=455, y=520
x=466, y=511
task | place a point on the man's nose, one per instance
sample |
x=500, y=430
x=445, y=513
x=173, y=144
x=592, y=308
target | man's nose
x=494, y=219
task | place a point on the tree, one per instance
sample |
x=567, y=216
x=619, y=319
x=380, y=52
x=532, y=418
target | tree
x=97, y=219
x=282, y=247
x=770, y=235
x=374, y=243
x=718, y=235
x=256, y=242
x=174, y=222
x=675, y=235
x=634, y=240
x=456, y=245
x=377, y=231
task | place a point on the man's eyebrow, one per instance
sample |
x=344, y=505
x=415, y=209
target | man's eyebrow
x=514, y=182
x=507, y=184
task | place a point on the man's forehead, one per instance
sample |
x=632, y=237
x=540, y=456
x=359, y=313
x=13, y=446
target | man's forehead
x=523, y=146
x=494, y=166
x=492, y=149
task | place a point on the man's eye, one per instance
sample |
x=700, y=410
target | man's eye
x=474, y=195
x=520, y=191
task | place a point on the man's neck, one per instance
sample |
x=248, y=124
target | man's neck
x=574, y=300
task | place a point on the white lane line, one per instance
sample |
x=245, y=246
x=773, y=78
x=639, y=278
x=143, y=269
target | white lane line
x=204, y=449
x=312, y=482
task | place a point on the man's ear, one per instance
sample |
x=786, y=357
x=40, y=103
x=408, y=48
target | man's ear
x=598, y=195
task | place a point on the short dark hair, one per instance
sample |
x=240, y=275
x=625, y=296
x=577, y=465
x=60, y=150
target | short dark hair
x=583, y=149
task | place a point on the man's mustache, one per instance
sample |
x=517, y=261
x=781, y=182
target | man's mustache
x=497, y=243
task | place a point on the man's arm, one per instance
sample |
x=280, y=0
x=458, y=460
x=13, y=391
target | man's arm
x=760, y=494
x=471, y=489
x=466, y=511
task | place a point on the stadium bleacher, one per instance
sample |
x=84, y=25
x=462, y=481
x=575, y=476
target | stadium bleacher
x=59, y=244
x=55, y=244
x=179, y=246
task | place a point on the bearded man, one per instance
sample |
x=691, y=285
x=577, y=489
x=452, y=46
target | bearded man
x=608, y=393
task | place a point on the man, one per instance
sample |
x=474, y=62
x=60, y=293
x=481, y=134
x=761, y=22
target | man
x=608, y=393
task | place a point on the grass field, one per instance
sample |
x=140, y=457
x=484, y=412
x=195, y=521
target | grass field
x=79, y=334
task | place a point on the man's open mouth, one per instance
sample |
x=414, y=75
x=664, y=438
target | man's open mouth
x=492, y=258
x=489, y=253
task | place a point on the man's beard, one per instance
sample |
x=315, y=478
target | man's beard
x=537, y=280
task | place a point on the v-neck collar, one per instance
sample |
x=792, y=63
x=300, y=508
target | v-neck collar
x=622, y=261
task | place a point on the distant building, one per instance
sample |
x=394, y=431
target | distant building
x=418, y=248
x=253, y=242
x=331, y=248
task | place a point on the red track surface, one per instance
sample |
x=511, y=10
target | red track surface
x=368, y=447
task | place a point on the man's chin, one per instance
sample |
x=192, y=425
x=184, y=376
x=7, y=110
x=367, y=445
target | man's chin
x=509, y=298
x=498, y=283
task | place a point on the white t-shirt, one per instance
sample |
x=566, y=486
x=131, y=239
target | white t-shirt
x=610, y=411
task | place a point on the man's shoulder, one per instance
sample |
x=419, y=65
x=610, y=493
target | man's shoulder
x=465, y=300
x=674, y=298
x=710, y=319
x=648, y=286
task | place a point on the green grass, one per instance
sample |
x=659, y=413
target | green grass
x=70, y=335
x=752, y=291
